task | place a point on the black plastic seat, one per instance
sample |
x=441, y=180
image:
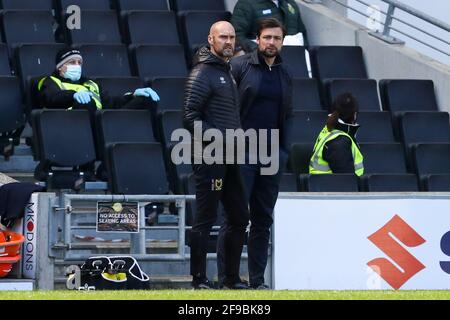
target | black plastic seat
x=122, y=126
x=299, y=157
x=376, y=126
x=383, y=158
x=98, y=26
x=295, y=61
x=191, y=5
x=12, y=119
x=171, y=92
x=66, y=147
x=306, y=126
x=330, y=182
x=117, y=86
x=306, y=95
x=34, y=26
x=432, y=158
x=138, y=24
x=288, y=183
x=103, y=60
x=125, y=5
x=84, y=4
x=178, y=172
x=391, y=183
x=131, y=172
x=437, y=183
x=153, y=61
x=343, y=62
x=168, y=121
x=408, y=95
x=27, y=5
x=5, y=69
x=195, y=27
x=364, y=90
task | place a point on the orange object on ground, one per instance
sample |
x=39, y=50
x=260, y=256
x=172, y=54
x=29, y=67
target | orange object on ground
x=10, y=244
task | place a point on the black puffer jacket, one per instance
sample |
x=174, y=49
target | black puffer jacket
x=211, y=94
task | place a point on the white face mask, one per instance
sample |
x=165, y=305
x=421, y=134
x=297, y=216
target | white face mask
x=73, y=72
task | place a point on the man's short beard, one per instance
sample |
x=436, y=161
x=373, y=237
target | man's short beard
x=222, y=53
x=269, y=55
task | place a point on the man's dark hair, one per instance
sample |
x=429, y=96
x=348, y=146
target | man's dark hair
x=344, y=107
x=269, y=23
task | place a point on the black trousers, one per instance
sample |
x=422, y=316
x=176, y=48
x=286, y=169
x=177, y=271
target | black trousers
x=216, y=183
x=261, y=192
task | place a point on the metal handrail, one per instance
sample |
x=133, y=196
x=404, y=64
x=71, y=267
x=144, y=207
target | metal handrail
x=389, y=18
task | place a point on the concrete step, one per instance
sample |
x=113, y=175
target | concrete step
x=16, y=285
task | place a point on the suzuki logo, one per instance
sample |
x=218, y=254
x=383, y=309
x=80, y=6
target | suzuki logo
x=406, y=264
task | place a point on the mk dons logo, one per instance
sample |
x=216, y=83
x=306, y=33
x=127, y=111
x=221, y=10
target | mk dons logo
x=406, y=264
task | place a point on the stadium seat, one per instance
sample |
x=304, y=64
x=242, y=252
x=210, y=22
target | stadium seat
x=306, y=125
x=166, y=61
x=36, y=59
x=376, y=126
x=98, y=27
x=364, y=90
x=12, y=119
x=288, y=183
x=306, y=95
x=408, y=95
x=122, y=126
x=195, y=27
x=191, y=5
x=66, y=146
x=178, y=173
x=424, y=127
x=299, y=157
x=5, y=69
x=168, y=121
x=171, y=92
x=431, y=158
x=27, y=4
x=117, y=86
x=102, y=60
x=295, y=61
x=138, y=24
x=345, y=62
x=62, y=5
x=131, y=172
x=126, y=5
x=330, y=182
x=383, y=158
x=20, y=26
x=391, y=183
x=437, y=183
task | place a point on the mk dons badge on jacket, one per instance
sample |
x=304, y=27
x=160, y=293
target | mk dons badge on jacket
x=291, y=9
x=217, y=184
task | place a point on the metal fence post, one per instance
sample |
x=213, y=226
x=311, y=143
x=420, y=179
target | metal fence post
x=137, y=240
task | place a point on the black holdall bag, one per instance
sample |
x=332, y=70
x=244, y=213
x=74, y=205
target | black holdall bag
x=110, y=273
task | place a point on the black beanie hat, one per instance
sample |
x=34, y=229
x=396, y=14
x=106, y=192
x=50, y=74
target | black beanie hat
x=65, y=55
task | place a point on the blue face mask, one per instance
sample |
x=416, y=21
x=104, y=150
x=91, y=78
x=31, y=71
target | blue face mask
x=73, y=72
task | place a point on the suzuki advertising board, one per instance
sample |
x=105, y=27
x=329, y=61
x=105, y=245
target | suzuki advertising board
x=361, y=243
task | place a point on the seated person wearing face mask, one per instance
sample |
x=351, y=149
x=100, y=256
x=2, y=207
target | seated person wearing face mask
x=336, y=149
x=68, y=88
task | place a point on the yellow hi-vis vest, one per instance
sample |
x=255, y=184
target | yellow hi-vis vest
x=89, y=85
x=318, y=165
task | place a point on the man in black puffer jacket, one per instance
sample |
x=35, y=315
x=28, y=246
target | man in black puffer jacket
x=211, y=101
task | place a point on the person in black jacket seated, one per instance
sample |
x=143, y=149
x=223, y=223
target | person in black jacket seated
x=336, y=149
x=211, y=101
x=67, y=88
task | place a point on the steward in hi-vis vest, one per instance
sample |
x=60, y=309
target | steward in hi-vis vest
x=336, y=149
x=67, y=88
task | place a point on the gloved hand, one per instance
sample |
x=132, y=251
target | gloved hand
x=83, y=97
x=146, y=92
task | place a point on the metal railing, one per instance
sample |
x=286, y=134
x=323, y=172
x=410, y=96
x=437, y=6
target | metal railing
x=137, y=241
x=389, y=18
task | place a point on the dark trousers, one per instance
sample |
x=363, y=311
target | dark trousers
x=216, y=183
x=261, y=196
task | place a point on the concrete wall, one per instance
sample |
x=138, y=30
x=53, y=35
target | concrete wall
x=326, y=27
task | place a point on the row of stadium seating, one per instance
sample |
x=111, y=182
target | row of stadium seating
x=57, y=5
